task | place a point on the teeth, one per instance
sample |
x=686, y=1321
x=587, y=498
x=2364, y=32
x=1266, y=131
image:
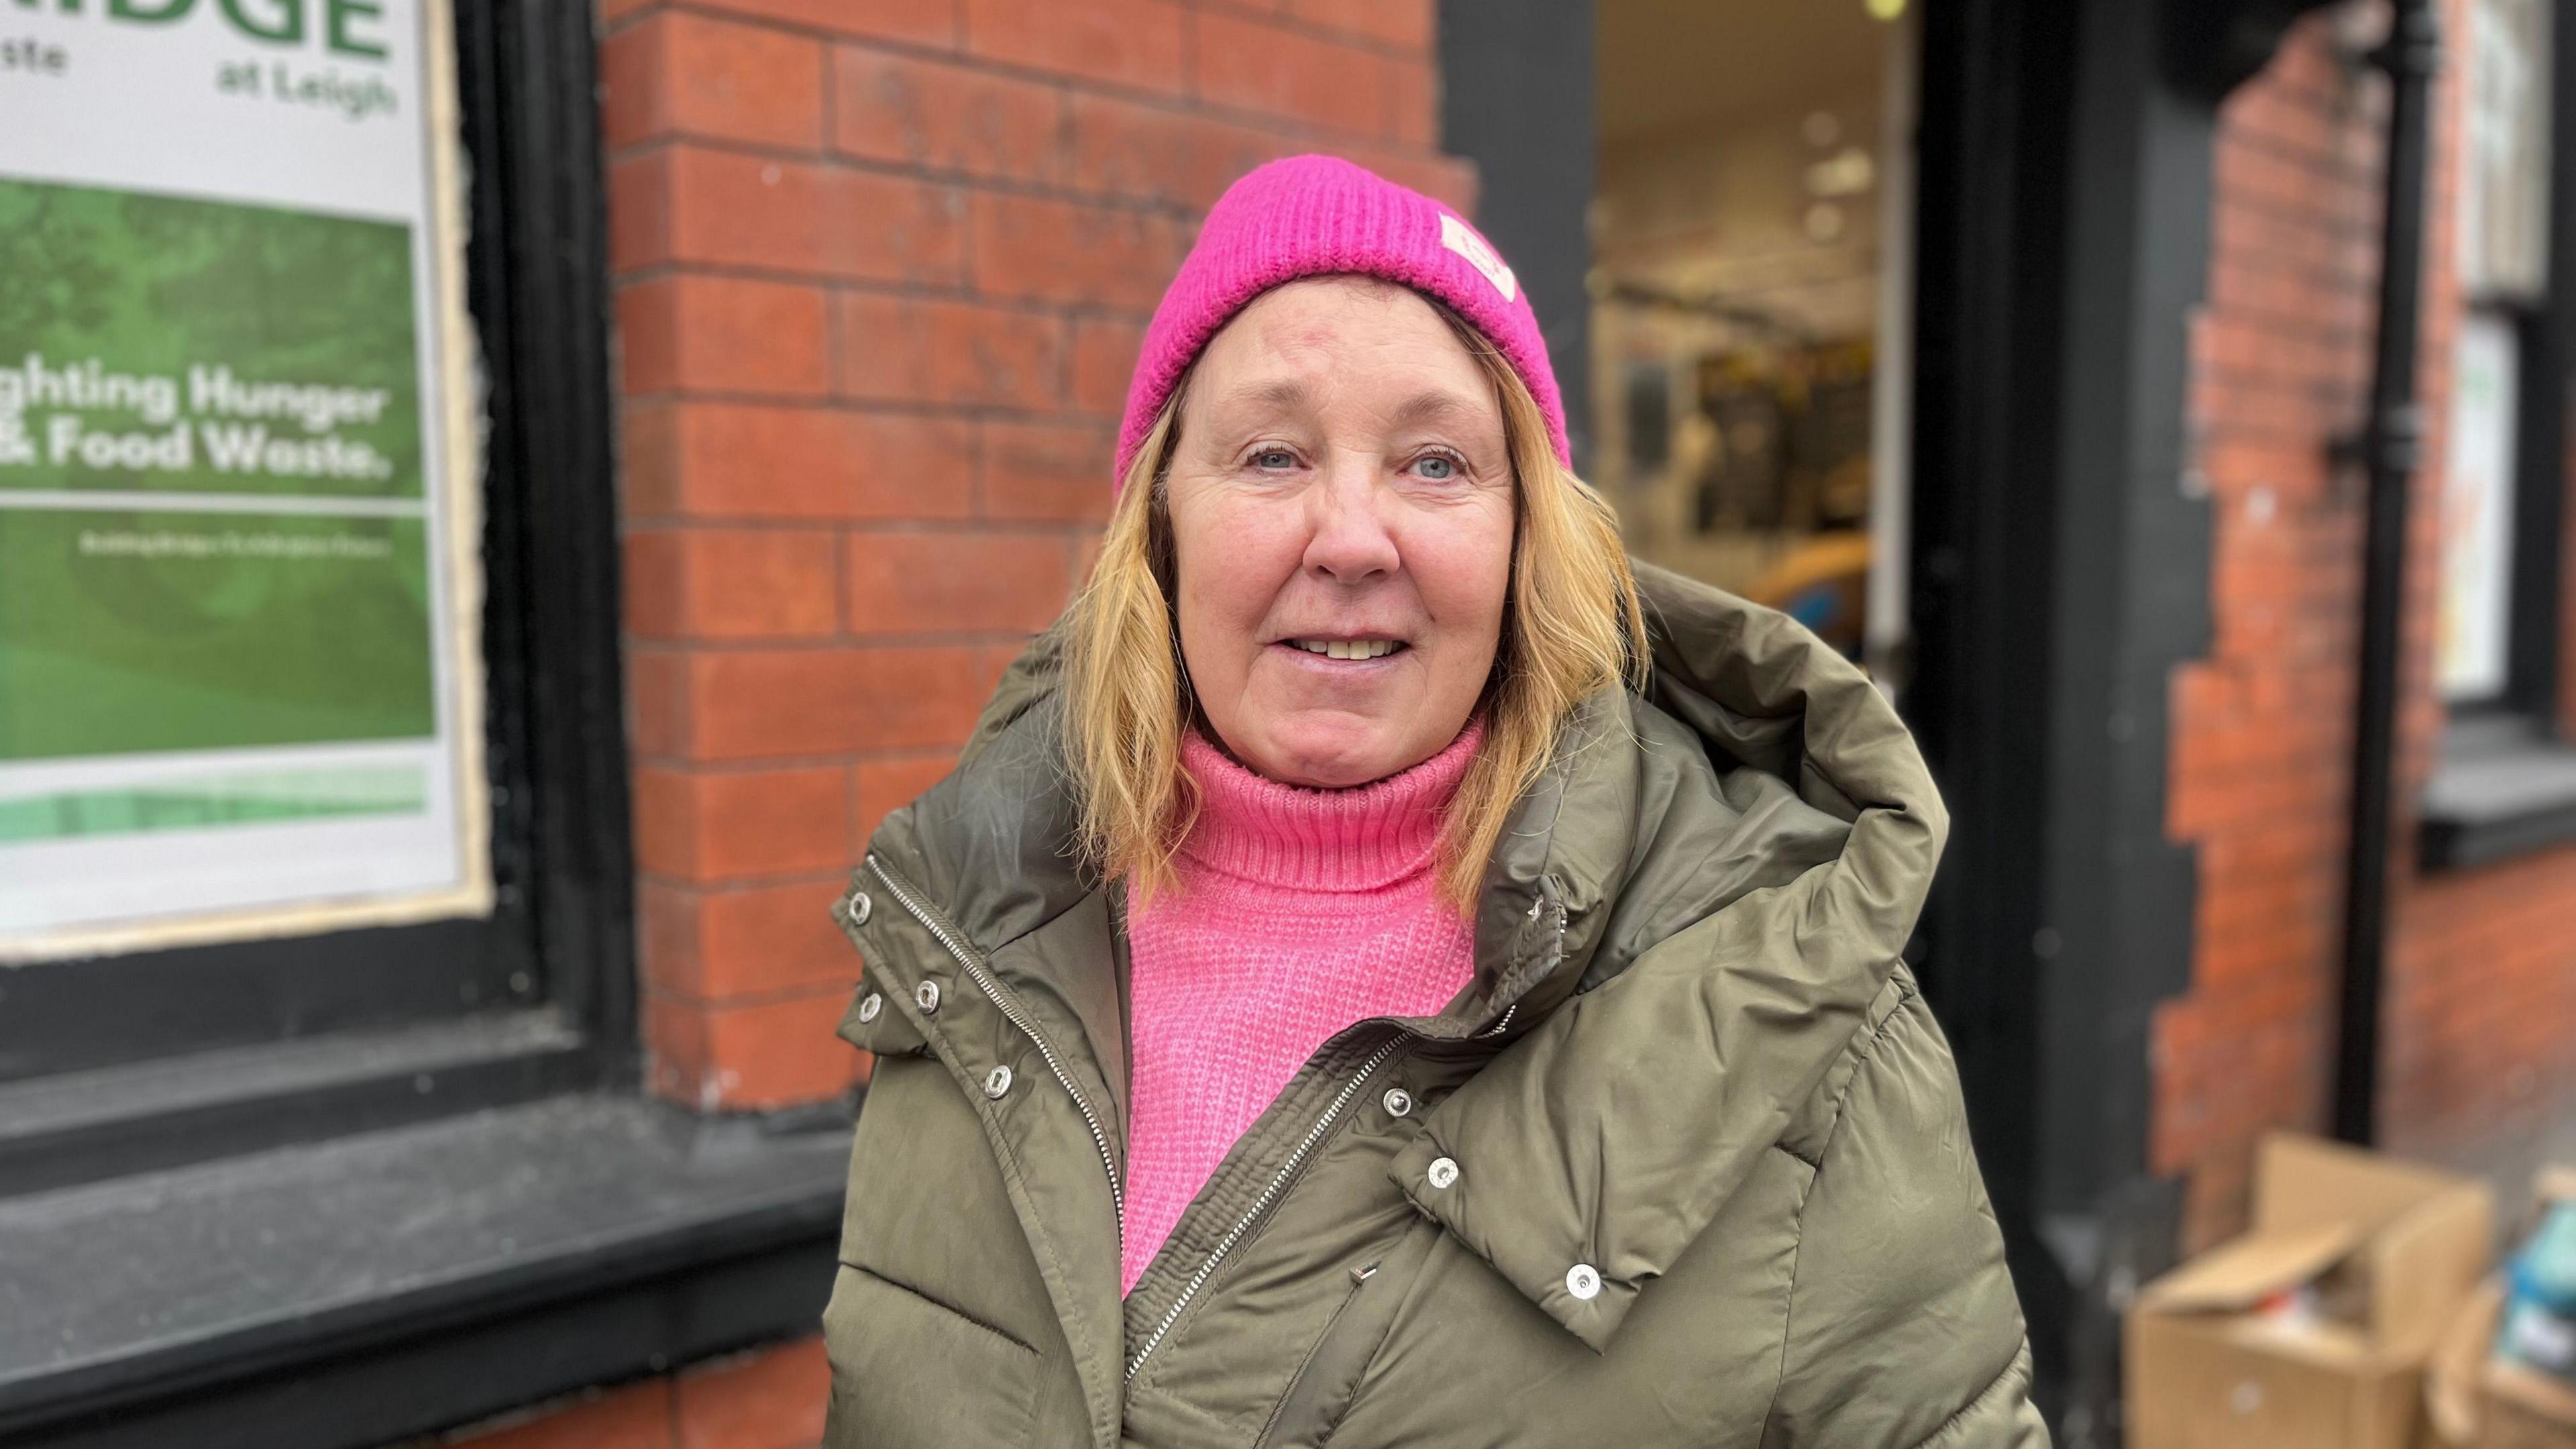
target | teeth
x=1347, y=648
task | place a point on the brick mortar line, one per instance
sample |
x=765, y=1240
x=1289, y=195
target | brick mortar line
x=874, y=407
x=2330, y=393
x=745, y=883
x=2363, y=230
x=761, y=643
x=1185, y=106
x=734, y=887
x=962, y=412
x=2283, y=434
x=2263, y=262
x=997, y=183
x=1038, y=526
x=2334, y=293
x=1359, y=40
x=1034, y=307
x=2276, y=323
x=960, y=181
x=898, y=755
x=655, y=991
x=2349, y=99
x=833, y=643
x=627, y=22
x=961, y=54
x=896, y=526
x=979, y=472
x=2362, y=178
x=2341, y=176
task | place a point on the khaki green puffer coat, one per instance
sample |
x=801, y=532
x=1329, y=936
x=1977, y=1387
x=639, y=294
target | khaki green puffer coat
x=1685, y=1165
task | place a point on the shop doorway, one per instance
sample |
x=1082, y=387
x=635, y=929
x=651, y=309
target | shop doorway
x=1751, y=238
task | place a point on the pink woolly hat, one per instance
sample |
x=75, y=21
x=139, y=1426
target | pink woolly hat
x=1312, y=215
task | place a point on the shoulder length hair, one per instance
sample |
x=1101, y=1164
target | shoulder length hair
x=1571, y=626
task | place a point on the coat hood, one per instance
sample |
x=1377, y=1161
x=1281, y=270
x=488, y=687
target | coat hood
x=1737, y=860
x=1683, y=930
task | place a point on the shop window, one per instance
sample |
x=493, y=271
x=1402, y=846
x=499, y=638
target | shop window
x=2505, y=781
x=317, y=1088
x=1752, y=241
x=2504, y=278
x=264, y=651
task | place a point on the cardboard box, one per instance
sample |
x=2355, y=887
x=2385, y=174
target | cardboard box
x=2527, y=1410
x=2481, y=1402
x=2312, y=1330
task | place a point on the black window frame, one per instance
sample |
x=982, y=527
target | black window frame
x=559, y=945
x=2503, y=781
x=2545, y=334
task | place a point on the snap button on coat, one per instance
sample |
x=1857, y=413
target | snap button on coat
x=926, y=996
x=1442, y=1173
x=861, y=908
x=997, y=1083
x=870, y=1005
x=1583, y=1281
x=1397, y=1101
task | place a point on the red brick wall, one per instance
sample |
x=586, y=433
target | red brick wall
x=881, y=270
x=2479, y=970
x=2262, y=734
x=2481, y=1005
x=767, y=1400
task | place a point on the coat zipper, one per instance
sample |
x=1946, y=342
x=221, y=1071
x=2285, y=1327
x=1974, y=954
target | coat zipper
x=1314, y=1135
x=1018, y=1016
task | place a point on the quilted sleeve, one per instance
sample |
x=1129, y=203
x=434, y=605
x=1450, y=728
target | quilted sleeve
x=1904, y=1329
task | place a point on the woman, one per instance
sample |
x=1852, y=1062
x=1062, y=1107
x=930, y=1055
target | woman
x=1380, y=971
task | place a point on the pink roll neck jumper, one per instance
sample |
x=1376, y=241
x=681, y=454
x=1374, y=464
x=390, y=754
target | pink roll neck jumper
x=1299, y=912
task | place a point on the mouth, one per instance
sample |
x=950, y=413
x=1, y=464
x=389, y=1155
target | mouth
x=1352, y=649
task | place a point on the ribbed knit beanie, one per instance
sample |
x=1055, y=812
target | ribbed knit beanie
x=1314, y=215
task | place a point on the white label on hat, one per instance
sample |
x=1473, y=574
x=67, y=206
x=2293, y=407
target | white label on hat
x=1458, y=237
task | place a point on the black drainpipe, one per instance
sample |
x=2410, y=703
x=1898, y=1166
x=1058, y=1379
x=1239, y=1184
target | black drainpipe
x=2391, y=445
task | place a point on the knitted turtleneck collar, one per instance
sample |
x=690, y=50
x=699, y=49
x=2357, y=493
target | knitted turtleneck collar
x=1362, y=838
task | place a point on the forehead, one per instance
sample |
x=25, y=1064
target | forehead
x=1321, y=339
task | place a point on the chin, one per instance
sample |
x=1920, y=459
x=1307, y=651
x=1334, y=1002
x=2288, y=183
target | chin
x=1335, y=758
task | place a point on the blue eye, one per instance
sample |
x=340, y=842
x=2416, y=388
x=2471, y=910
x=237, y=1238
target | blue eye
x=1444, y=461
x=1279, y=453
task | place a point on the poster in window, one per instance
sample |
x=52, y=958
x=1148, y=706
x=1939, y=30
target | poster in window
x=2473, y=627
x=239, y=688
x=2503, y=243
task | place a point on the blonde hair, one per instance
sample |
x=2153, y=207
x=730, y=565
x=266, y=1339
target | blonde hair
x=1571, y=626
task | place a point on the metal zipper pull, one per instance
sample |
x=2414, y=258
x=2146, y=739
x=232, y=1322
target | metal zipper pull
x=1010, y=1007
x=1278, y=1180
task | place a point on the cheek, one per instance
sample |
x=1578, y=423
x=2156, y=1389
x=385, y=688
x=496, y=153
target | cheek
x=1465, y=573
x=1228, y=567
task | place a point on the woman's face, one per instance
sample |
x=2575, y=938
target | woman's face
x=1342, y=512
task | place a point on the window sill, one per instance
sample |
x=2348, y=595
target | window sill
x=2500, y=790
x=355, y=1291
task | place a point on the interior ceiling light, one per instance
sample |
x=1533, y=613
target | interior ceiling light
x=1847, y=172
x=1885, y=9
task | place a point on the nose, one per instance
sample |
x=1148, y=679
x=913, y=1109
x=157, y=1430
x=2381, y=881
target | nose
x=1348, y=541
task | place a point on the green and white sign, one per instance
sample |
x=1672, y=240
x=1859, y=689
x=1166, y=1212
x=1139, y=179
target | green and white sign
x=239, y=694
